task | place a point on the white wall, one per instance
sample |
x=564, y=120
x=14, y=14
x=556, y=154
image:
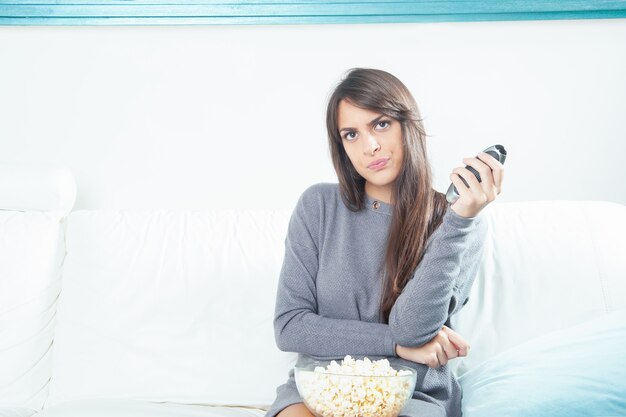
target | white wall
x=234, y=116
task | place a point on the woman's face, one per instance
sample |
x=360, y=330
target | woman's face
x=367, y=137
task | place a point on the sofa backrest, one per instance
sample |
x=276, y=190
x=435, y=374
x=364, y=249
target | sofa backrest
x=34, y=202
x=547, y=265
x=156, y=302
x=170, y=306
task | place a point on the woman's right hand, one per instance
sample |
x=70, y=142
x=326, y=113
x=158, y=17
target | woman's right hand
x=447, y=345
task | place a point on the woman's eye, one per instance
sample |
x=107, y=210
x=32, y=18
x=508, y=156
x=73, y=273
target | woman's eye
x=385, y=122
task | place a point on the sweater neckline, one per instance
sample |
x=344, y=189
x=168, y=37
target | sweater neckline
x=377, y=205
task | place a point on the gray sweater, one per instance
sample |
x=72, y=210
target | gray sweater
x=330, y=284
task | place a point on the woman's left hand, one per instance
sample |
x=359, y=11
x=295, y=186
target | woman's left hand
x=473, y=199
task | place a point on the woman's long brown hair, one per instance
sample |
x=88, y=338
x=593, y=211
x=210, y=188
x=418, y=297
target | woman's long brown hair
x=418, y=209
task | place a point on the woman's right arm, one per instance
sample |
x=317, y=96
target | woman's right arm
x=297, y=326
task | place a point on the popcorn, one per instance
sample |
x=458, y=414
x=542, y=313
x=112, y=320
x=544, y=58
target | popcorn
x=360, y=388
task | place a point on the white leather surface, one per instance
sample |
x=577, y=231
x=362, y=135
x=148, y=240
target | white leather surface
x=31, y=255
x=170, y=306
x=547, y=265
x=136, y=408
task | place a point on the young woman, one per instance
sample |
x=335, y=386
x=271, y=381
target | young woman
x=375, y=265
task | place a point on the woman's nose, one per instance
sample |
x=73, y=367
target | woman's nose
x=372, y=145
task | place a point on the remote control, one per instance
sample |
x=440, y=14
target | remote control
x=496, y=151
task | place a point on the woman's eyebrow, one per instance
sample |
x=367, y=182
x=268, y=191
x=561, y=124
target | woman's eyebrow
x=372, y=123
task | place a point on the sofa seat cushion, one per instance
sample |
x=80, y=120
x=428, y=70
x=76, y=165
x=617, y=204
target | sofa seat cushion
x=136, y=408
x=12, y=411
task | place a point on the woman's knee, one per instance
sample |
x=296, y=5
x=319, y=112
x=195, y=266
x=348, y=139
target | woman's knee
x=295, y=410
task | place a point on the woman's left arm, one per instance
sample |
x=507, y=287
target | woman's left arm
x=463, y=286
x=451, y=259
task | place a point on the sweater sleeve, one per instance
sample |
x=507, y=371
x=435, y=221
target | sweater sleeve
x=441, y=282
x=297, y=326
x=471, y=261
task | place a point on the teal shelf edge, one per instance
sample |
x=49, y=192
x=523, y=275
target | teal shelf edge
x=276, y=12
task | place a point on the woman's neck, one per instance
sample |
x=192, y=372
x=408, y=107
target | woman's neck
x=379, y=193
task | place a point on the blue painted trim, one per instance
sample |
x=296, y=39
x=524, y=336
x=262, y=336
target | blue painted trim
x=142, y=12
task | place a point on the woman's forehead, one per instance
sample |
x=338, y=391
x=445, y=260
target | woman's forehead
x=349, y=115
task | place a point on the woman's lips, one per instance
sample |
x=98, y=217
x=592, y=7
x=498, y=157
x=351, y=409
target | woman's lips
x=379, y=165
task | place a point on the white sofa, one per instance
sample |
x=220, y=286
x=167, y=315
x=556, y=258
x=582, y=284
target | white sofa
x=150, y=313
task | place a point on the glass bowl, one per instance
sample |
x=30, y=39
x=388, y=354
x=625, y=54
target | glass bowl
x=328, y=394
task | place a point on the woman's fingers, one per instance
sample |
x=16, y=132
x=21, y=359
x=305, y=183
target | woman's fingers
x=462, y=189
x=447, y=345
x=459, y=341
x=469, y=178
x=497, y=169
x=441, y=355
x=487, y=182
x=449, y=348
x=473, y=198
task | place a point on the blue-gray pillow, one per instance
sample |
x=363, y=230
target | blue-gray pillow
x=579, y=371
